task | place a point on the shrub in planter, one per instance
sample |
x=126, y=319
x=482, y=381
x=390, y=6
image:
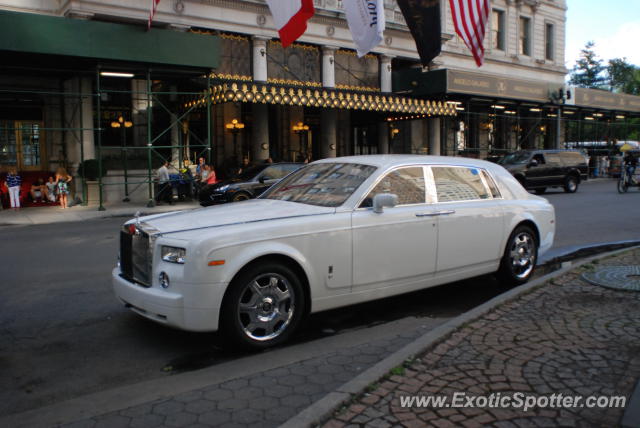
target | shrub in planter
x=89, y=168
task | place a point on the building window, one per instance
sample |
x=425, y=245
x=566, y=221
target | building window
x=549, y=42
x=524, y=47
x=497, y=30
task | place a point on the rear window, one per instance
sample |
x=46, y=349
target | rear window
x=572, y=158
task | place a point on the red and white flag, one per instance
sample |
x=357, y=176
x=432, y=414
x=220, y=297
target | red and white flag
x=152, y=12
x=290, y=17
x=470, y=20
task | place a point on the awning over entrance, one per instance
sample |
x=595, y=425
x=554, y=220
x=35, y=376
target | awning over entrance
x=417, y=83
x=40, y=34
x=597, y=99
x=329, y=98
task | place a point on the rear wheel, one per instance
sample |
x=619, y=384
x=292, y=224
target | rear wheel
x=520, y=257
x=263, y=307
x=241, y=196
x=622, y=184
x=571, y=184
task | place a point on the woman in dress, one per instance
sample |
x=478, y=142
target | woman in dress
x=62, y=186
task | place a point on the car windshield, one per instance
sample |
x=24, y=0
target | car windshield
x=323, y=184
x=251, y=172
x=514, y=158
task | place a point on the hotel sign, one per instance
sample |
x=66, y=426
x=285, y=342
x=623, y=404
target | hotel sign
x=606, y=100
x=496, y=87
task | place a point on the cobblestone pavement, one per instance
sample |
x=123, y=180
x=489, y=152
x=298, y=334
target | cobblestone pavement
x=567, y=337
x=264, y=400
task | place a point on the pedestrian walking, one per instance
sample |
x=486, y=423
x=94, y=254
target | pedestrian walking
x=164, y=184
x=13, y=184
x=62, y=186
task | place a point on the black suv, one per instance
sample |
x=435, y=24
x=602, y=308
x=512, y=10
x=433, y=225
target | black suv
x=249, y=184
x=538, y=169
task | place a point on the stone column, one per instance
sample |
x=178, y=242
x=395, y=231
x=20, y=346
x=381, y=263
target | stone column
x=328, y=67
x=259, y=59
x=260, y=126
x=383, y=138
x=89, y=147
x=328, y=116
x=139, y=102
x=434, y=136
x=385, y=73
x=328, y=119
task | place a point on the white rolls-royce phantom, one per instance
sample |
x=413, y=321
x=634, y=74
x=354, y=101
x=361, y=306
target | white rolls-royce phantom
x=337, y=232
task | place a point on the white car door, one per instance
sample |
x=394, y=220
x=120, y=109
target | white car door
x=398, y=244
x=471, y=221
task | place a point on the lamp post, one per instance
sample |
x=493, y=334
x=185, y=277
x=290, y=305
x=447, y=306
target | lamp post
x=124, y=124
x=301, y=129
x=234, y=127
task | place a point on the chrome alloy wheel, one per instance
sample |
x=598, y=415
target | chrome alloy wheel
x=522, y=255
x=266, y=307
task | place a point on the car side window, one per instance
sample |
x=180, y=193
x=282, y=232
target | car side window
x=553, y=159
x=274, y=172
x=407, y=183
x=459, y=184
x=495, y=192
x=540, y=158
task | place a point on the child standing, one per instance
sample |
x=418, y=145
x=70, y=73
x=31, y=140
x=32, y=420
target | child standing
x=13, y=183
x=62, y=186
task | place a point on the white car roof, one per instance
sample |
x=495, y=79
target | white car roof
x=387, y=161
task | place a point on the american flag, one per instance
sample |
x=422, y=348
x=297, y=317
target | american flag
x=152, y=11
x=470, y=20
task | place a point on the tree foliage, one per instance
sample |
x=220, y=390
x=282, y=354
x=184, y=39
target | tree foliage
x=588, y=72
x=623, y=77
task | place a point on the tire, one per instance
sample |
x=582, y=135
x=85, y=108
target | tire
x=240, y=196
x=571, y=184
x=263, y=306
x=540, y=191
x=520, y=256
x=622, y=185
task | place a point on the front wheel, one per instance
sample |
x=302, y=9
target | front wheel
x=571, y=184
x=240, y=196
x=520, y=257
x=622, y=185
x=263, y=307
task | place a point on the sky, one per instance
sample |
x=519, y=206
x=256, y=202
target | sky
x=614, y=26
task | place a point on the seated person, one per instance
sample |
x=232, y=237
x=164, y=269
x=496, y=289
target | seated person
x=50, y=188
x=38, y=191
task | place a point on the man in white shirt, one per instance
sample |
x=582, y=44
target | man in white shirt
x=164, y=184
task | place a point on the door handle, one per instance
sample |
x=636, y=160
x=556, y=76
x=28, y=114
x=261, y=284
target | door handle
x=436, y=213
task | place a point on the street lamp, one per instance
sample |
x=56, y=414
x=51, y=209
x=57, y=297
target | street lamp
x=301, y=129
x=124, y=124
x=235, y=127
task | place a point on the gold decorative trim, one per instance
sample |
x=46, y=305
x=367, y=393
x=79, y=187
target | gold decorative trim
x=231, y=77
x=294, y=83
x=354, y=53
x=357, y=88
x=296, y=45
x=329, y=98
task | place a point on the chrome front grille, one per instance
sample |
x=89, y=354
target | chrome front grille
x=136, y=255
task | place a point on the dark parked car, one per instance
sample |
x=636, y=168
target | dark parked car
x=249, y=184
x=538, y=169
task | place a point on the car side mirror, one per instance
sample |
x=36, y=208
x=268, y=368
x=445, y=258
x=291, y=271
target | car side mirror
x=262, y=179
x=534, y=162
x=382, y=200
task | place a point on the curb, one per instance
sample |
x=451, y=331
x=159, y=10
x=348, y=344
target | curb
x=317, y=412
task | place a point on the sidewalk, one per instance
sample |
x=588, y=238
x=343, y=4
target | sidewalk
x=555, y=335
x=54, y=214
x=565, y=336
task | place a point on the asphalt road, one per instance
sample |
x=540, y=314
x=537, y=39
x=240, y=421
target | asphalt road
x=63, y=334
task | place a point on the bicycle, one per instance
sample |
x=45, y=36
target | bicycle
x=626, y=180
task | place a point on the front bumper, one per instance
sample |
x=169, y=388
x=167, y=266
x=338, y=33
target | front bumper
x=192, y=307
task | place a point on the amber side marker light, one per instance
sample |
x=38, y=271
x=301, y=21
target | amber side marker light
x=216, y=262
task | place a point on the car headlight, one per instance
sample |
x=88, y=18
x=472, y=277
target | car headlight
x=174, y=254
x=222, y=188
